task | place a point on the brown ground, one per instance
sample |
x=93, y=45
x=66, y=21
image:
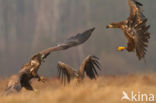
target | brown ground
x=106, y=89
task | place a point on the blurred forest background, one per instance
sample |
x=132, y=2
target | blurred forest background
x=29, y=26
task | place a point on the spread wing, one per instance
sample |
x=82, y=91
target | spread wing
x=14, y=85
x=135, y=9
x=139, y=37
x=89, y=66
x=65, y=72
x=17, y=81
x=71, y=42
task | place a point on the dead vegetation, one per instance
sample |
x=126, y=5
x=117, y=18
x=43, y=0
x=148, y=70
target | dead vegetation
x=106, y=89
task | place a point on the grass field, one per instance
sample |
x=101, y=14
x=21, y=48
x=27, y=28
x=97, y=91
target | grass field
x=106, y=89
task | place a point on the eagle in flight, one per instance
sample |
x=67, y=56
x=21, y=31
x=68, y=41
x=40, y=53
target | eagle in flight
x=29, y=70
x=135, y=30
x=89, y=67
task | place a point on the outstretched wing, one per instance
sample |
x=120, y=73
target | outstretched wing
x=139, y=37
x=71, y=42
x=135, y=9
x=89, y=65
x=65, y=72
x=14, y=85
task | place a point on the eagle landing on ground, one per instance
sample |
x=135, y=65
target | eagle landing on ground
x=135, y=30
x=88, y=67
x=29, y=70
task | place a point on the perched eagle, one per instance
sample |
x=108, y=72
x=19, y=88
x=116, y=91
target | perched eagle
x=29, y=70
x=135, y=30
x=88, y=67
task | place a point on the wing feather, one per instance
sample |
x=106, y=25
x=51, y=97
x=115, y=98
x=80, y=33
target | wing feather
x=89, y=66
x=70, y=42
x=14, y=85
x=65, y=72
x=139, y=38
x=135, y=9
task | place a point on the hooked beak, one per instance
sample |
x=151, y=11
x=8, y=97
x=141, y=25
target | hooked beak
x=109, y=26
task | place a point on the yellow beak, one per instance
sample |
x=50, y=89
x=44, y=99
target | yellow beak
x=109, y=26
x=120, y=48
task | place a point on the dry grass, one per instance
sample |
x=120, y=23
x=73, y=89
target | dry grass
x=107, y=89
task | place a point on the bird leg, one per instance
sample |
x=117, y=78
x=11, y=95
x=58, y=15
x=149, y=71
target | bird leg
x=121, y=48
x=40, y=78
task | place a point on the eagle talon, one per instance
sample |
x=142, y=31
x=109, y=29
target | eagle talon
x=121, y=48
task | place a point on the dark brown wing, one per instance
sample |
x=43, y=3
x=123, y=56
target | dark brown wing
x=65, y=72
x=138, y=30
x=89, y=65
x=71, y=42
x=135, y=9
x=139, y=37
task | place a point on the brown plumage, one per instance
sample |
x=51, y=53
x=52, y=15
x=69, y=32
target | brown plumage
x=29, y=70
x=135, y=30
x=88, y=67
